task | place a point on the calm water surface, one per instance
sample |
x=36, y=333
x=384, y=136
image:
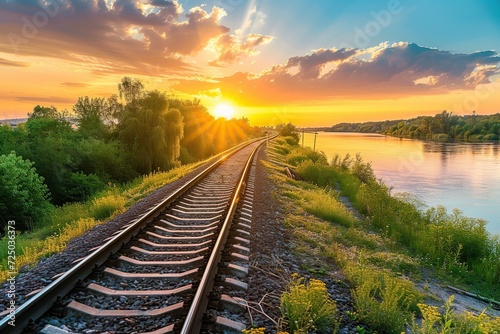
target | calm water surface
x=456, y=175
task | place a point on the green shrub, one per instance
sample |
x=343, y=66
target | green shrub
x=385, y=302
x=448, y=322
x=80, y=187
x=292, y=141
x=24, y=197
x=308, y=307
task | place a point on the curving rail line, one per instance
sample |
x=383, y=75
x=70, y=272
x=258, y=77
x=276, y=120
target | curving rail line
x=180, y=240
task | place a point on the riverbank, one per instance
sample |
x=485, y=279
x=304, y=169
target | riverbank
x=433, y=172
x=387, y=278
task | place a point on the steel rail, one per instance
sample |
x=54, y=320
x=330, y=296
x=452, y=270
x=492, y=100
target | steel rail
x=41, y=302
x=193, y=322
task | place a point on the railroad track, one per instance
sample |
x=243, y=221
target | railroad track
x=177, y=269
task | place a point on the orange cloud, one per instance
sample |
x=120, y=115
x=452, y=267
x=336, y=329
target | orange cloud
x=386, y=72
x=231, y=49
x=126, y=37
x=10, y=63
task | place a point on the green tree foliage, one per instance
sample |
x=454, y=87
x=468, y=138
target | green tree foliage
x=92, y=113
x=79, y=186
x=24, y=196
x=45, y=112
x=50, y=146
x=13, y=140
x=113, y=113
x=152, y=132
x=197, y=140
x=109, y=160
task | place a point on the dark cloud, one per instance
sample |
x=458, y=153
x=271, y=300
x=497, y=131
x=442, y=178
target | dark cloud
x=128, y=35
x=161, y=3
x=382, y=72
x=310, y=65
x=10, y=63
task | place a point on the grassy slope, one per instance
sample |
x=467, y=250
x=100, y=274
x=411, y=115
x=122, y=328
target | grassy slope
x=381, y=272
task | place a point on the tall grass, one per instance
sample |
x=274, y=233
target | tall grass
x=107, y=206
x=324, y=205
x=29, y=250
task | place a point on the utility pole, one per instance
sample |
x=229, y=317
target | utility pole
x=303, y=137
x=315, y=133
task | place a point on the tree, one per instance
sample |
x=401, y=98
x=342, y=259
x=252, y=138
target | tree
x=51, y=146
x=195, y=145
x=130, y=89
x=110, y=161
x=113, y=112
x=426, y=126
x=91, y=115
x=23, y=195
x=44, y=112
x=152, y=132
x=173, y=133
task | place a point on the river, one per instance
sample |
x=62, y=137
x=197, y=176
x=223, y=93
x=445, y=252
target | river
x=456, y=175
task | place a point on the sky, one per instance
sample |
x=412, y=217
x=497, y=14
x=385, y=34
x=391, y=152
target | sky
x=312, y=63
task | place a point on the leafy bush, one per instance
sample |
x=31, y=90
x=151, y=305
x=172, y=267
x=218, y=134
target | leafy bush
x=24, y=196
x=289, y=131
x=299, y=155
x=308, y=307
x=80, y=187
x=292, y=140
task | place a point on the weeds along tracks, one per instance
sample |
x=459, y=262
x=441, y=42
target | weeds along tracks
x=157, y=274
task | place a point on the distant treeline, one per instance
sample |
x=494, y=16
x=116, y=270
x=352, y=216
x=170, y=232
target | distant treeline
x=444, y=126
x=367, y=127
x=50, y=161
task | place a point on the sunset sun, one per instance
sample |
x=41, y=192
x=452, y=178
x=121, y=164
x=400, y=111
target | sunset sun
x=223, y=110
